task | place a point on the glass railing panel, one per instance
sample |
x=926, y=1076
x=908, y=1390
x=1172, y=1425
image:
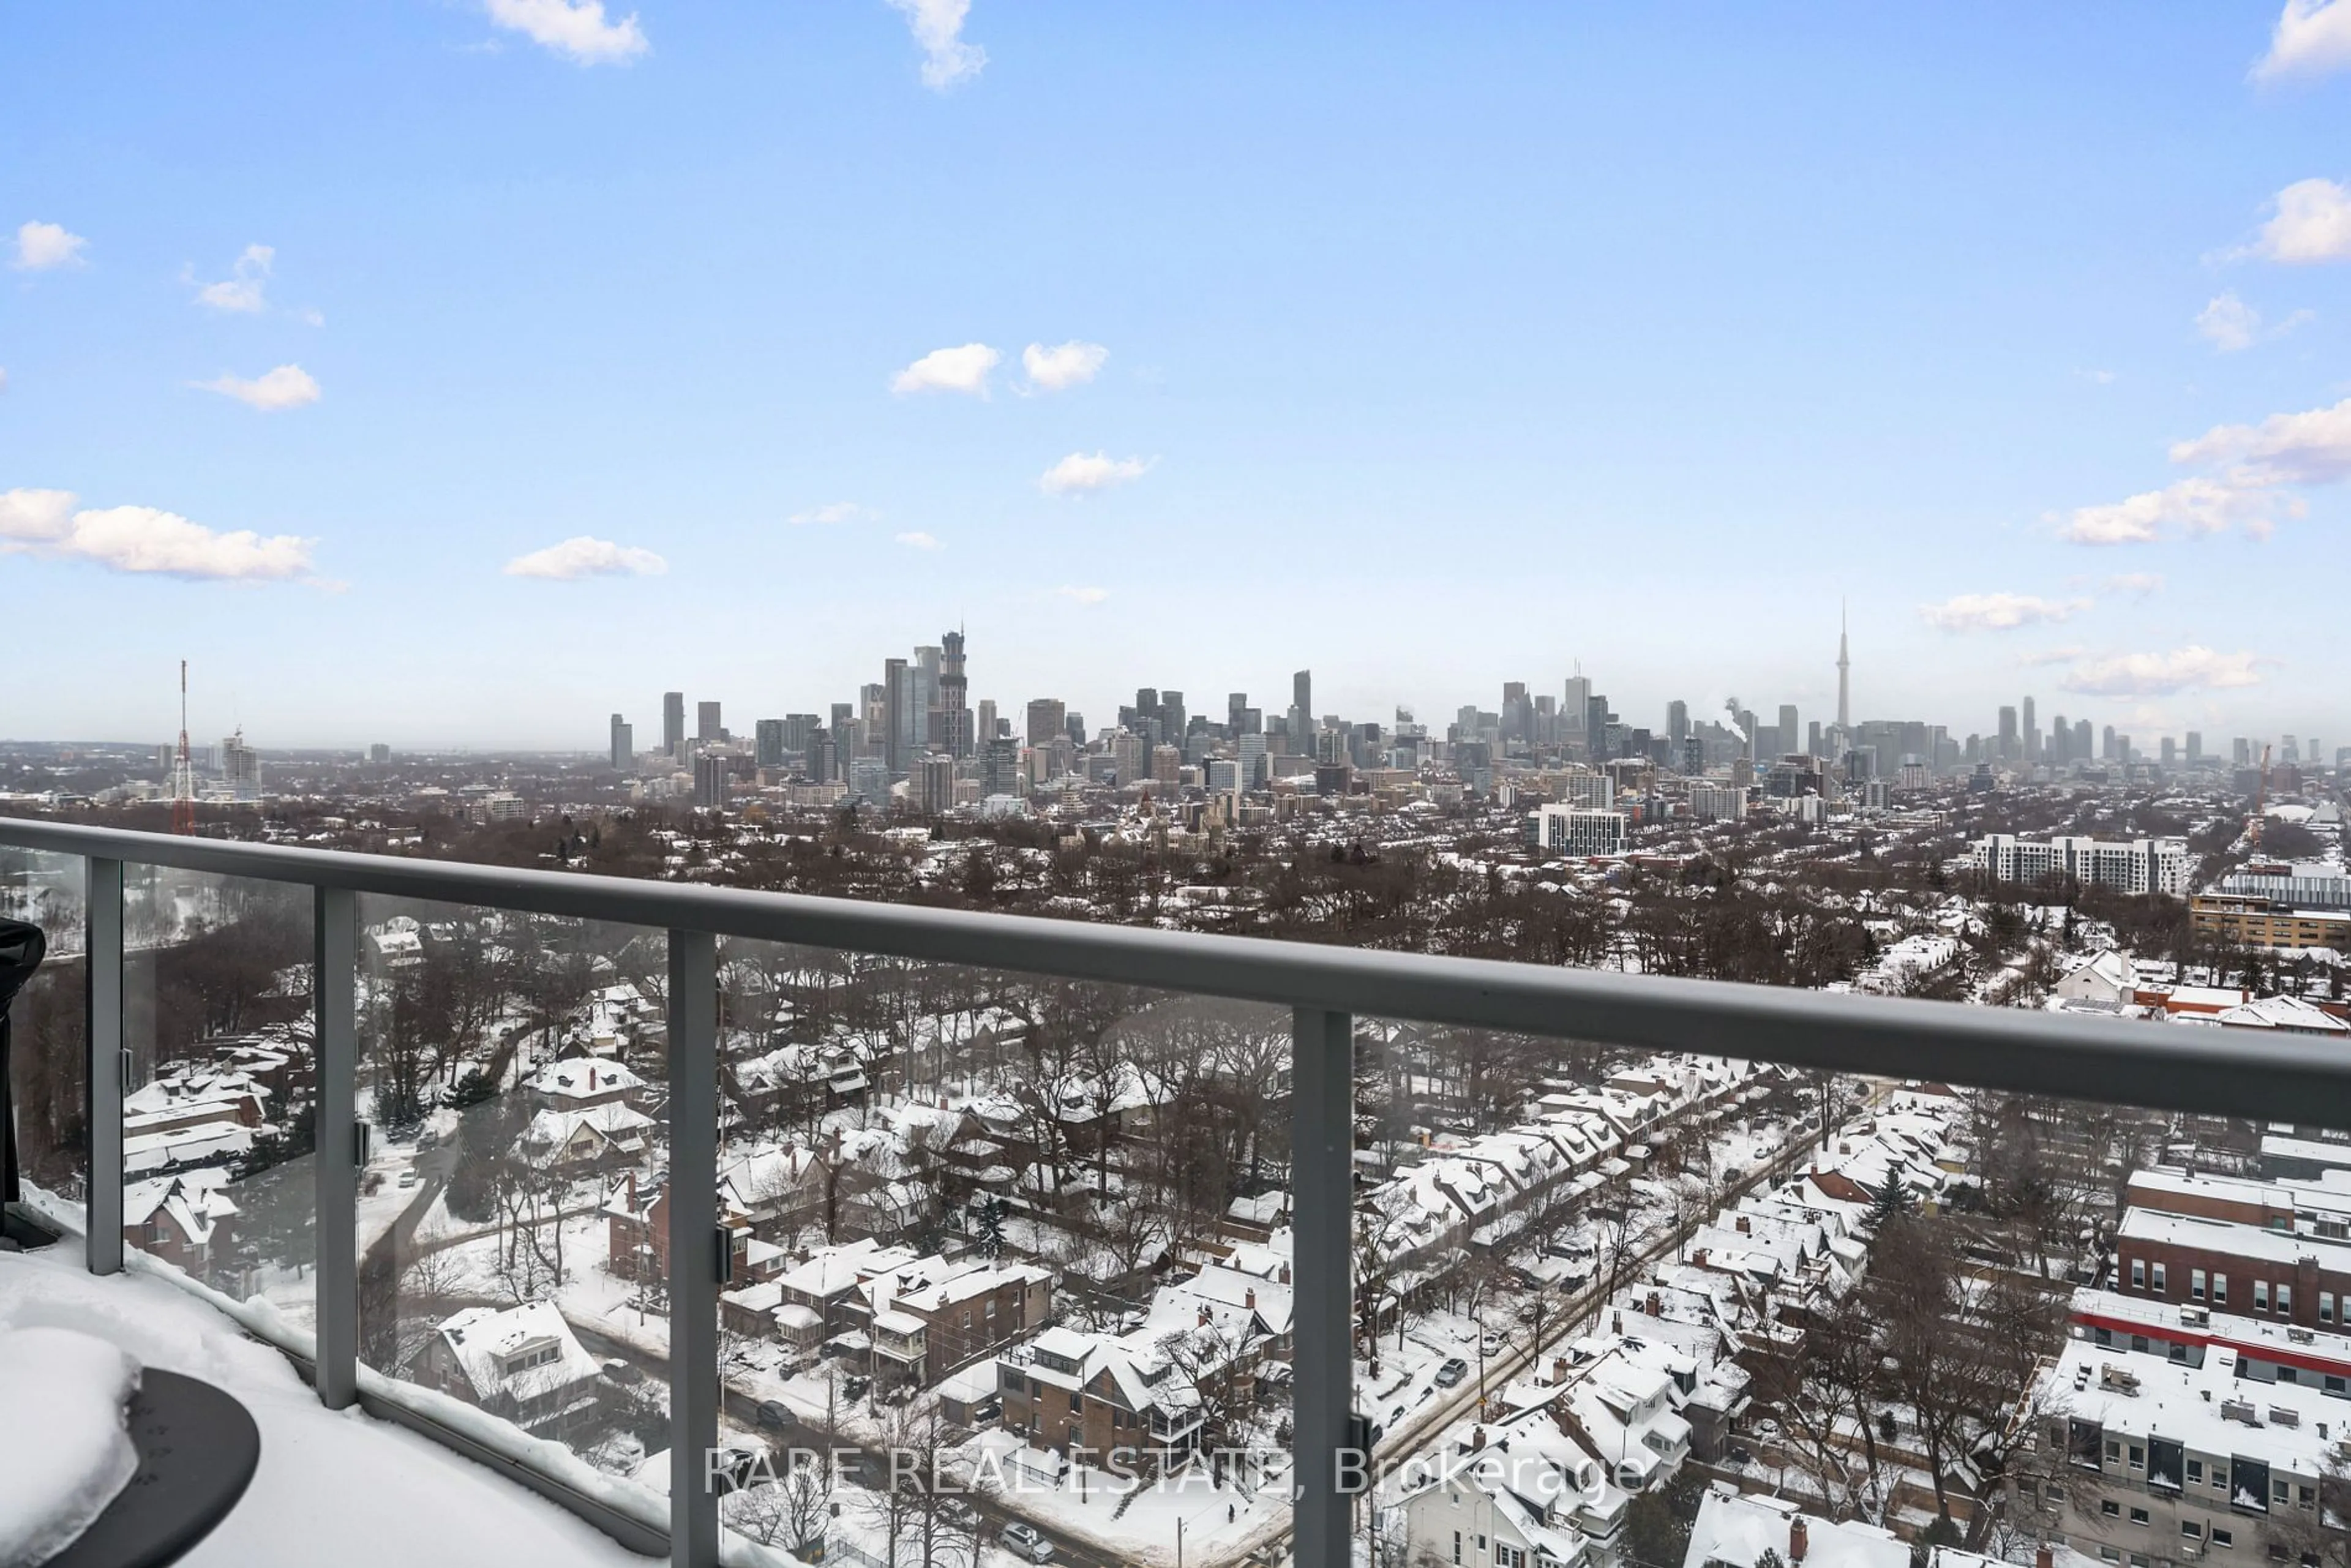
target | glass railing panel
x=219, y=1109
x=1025, y=1236
x=1611, y=1303
x=1554, y=1276
x=511, y=1276
x=49, y=1035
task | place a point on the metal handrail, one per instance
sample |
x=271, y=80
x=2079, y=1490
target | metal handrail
x=1327, y=988
x=2070, y=1056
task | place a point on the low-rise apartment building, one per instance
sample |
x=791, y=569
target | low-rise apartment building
x=2143, y=1460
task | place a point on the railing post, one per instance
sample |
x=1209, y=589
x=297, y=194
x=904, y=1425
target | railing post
x=693, y=1260
x=102, y=960
x=1322, y=1188
x=334, y=1004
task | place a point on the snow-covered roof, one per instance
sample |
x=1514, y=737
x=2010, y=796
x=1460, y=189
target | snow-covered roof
x=1734, y=1530
x=579, y=1077
x=486, y=1343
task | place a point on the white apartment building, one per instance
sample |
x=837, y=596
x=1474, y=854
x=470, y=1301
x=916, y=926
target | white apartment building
x=1592, y=790
x=1577, y=830
x=2145, y=1459
x=2140, y=865
x=1717, y=802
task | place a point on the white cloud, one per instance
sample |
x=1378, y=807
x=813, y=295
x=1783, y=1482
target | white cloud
x=962, y=370
x=36, y=517
x=2312, y=38
x=2253, y=469
x=2309, y=448
x=144, y=539
x=2201, y=506
x=2141, y=583
x=575, y=29
x=1998, y=612
x=937, y=26
x=1085, y=595
x=2065, y=655
x=1078, y=474
x=918, y=541
x=40, y=247
x=585, y=556
x=287, y=386
x=2230, y=324
x=2160, y=674
x=242, y=290
x=835, y=512
x=2313, y=223
x=1071, y=364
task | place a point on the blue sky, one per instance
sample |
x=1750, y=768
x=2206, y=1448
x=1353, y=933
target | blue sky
x=1429, y=347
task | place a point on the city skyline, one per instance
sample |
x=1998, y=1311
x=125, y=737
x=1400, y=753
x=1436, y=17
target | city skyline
x=660, y=716
x=672, y=322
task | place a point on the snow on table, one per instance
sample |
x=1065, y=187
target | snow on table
x=64, y=1451
x=333, y=1484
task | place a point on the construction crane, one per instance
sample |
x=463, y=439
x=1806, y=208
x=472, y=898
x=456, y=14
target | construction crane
x=183, y=771
x=2260, y=802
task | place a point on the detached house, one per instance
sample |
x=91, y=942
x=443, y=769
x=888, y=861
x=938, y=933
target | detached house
x=185, y=1220
x=521, y=1363
x=1523, y=1493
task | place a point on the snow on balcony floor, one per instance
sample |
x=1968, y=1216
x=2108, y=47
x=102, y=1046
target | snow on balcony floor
x=334, y=1485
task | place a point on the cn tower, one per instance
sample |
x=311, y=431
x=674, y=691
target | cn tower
x=1844, y=678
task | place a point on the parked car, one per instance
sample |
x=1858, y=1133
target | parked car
x=987, y=1412
x=1452, y=1373
x=854, y=1385
x=408, y=1177
x=621, y=1370
x=1489, y=1343
x=1022, y=1541
x=774, y=1415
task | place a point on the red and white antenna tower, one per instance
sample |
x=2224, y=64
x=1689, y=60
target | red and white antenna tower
x=183, y=771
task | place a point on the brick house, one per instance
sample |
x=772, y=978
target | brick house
x=1066, y=1390
x=2230, y=1266
x=931, y=1317
x=185, y=1220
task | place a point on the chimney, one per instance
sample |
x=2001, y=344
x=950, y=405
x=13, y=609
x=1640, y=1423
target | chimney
x=632, y=1190
x=1284, y=1276
x=1616, y=1322
x=1204, y=1317
x=1559, y=1369
x=1697, y=1257
x=591, y=1075
x=1745, y=1227
x=1249, y=1298
x=1796, y=1542
x=2044, y=1557
x=1657, y=1307
x=1477, y=1439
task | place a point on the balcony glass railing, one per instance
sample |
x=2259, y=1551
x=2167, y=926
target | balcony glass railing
x=572, y=1174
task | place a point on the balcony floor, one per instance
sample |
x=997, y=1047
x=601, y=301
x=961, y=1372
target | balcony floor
x=333, y=1486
